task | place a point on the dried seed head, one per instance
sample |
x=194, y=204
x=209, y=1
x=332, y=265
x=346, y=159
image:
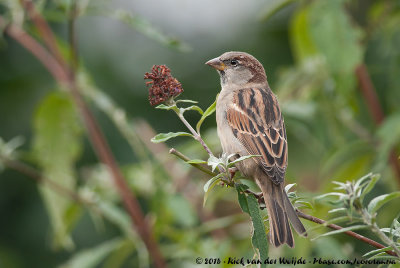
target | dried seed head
x=163, y=85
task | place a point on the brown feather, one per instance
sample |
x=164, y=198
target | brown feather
x=253, y=125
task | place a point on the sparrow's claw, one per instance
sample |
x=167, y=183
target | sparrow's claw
x=233, y=171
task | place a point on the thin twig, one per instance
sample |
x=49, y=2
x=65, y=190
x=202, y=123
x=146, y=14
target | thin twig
x=36, y=49
x=350, y=233
x=195, y=134
x=368, y=219
x=260, y=199
x=186, y=159
x=96, y=136
x=371, y=98
x=73, y=42
x=39, y=178
x=44, y=29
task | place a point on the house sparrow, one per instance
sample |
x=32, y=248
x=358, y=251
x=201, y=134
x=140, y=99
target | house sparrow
x=249, y=122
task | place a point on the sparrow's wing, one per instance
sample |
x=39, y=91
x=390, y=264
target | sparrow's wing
x=257, y=122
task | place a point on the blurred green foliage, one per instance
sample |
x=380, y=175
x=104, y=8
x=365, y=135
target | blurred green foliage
x=310, y=50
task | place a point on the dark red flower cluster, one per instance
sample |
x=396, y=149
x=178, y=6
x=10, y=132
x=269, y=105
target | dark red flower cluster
x=163, y=85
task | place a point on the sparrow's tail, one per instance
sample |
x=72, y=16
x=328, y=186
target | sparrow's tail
x=280, y=210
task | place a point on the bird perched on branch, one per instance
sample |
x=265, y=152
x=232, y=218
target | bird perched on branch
x=249, y=122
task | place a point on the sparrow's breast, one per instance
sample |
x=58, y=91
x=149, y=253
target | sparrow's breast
x=230, y=144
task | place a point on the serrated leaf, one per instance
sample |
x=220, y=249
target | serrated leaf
x=192, y=108
x=350, y=228
x=162, y=137
x=231, y=164
x=57, y=145
x=210, y=110
x=210, y=185
x=92, y=257
x=379, y=201
x=196, y=161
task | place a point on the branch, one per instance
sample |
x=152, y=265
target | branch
x=39, y=178
x=260, y=199
x=350, y=233
x=186, y=159
x=375, y=109
x=44, y=30
x=96, y=136
x=195, y=134
x=73, y=43
x=36, y=49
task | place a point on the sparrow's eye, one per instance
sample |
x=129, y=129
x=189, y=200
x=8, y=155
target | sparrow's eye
x=234, y=62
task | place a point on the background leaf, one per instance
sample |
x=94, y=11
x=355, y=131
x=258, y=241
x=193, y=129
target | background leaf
x=57, y=145
x=249, y=204
x=162, y=137
x=210, y=110
x=92, y=257
x=379, y=201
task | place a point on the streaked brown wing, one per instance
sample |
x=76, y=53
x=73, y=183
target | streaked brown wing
x=257, y=123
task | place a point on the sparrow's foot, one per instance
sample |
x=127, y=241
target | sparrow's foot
x=232, y=171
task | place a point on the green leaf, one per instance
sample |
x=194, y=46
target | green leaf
x=300, y=36
x=289, y=186
x=231, y=164
x=192, y=108
x=379, y=201
x=303, y=204
x=249, y=204
x=162, y=137
x=196, y=161
x=186, y=101
x=214, y=162
x=167, y=107
x=240, y=188
x=145, y=27
x=56, y=146
x=259, y=238
x=92, y=257
x=376, y=251
x=337, y=210
x=210, y=110
x=389, y=136
x=8, y=149
x=369, y=186
x=330, y=194
x=350, y=228
x=210, y=185
x=181, y=210
x=331, y=29
x=273, y=8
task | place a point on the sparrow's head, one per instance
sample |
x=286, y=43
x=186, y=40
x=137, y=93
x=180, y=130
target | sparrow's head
x=238, y=68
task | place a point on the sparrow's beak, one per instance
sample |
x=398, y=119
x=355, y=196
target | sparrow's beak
x=217, y=64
